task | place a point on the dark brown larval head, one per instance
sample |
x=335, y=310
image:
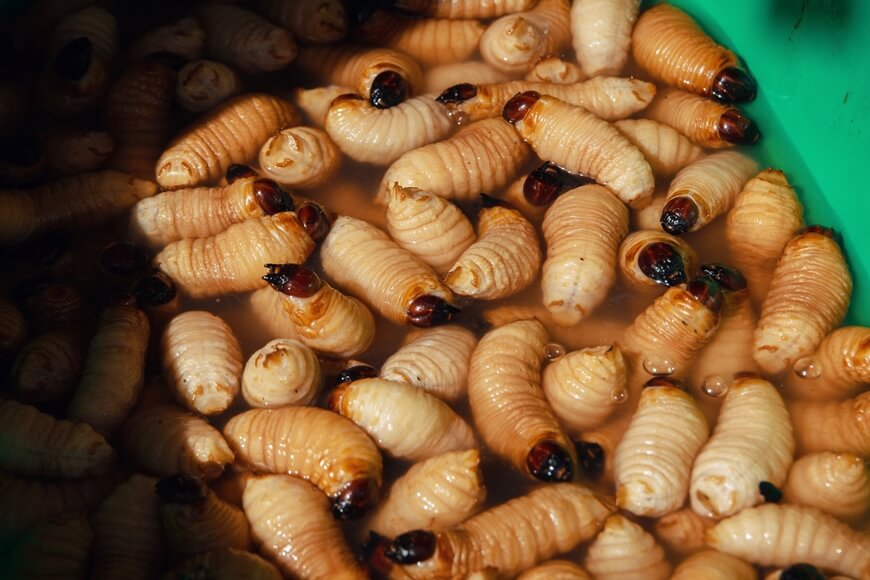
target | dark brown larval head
x=457, y=94
x=515, y=109
x=662, y=263
x=734, y=127
x=591, y=457
x=427, y=310
x=271, y=197
x=550, y=461
x=412, y=547
x=707, y=292
x=314, y=220
x=355, y=499
x=122, y=258
x=548, y=181
x=733, y=85
x=293, y=280
x=388, y=89
x=237, y=171
x=679, y=215
x=729, y=278
x=154, y=289
x=355, y=373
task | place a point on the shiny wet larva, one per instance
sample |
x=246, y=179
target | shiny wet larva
x=549, y=461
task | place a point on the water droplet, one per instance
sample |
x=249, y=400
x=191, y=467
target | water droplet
x=808, y=368
x=714, y=386
x=554, y=350
x=659, y=366
x=619, y=395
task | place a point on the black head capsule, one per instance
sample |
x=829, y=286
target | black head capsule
x=237, y=171
x=516, y=108
x=679, y=215
x=355, y=499
x=181, y=488
x=769, y=492
x=733, y=85
x=271, y=197
x=427, y=310
x=314, y=221
x=374, y=554
x=412, y=547
x=550, y=461
x=457, y=94
x=356, y=373
x=73, y=60
x=293, y=280
x=388, y=90
x=591, y=457
x=729, y=278
x=735, y=128
x=122, y=258
x=801, y=572
x=707, y=292
x=155, y=289
x=662, y=263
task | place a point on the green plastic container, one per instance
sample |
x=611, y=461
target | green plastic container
x=811, y=59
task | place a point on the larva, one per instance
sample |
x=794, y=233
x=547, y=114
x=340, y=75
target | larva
x=315, y=102
x=362, y=259
x=428, y=226
x=323, y=318
x=227, y=564
x=514, y=43
x=13, y=328
x=113, y=371
x=583, y=229
x=433, y=494
x=682, y=531
x=441, y=77
x=405, y=421
x=832, y=425
x=291, y=521
x=232, y=261
x=582, y=386
x=164, y=439
x=809, y=294
x=460, y=9
x=547, y=182
x=48, y=366
x=653, y=462
x=38, y=445
x=649, y=217
x=300, y=157
x=653, y=258
x=601, y=33
x=624, y=551
x=514, y=195
x=555, y=570
x=608, y=98
x=671, y=47
x=93, y=23
x=369, y=134
x=78, y=202
x=266, y=308
x=792, y=534
x=283, y=372
x=77, y=150
x=714, y=565
x=704, y=190
x=73, y=80
x=503, y=260
x=511, y=537
x=752, y=443
x=483, y=156
x=201, y=212
x=137, y=113
x=55, y=548
x=581, y=143
x=553, y=69
x=310, y=21
x=509, y=407
x=202, y=361
x=204, y=84
x=766, y=214
x=244, y=39
x=666, y=150
x=184, y=38
x=836, y=483
x=127, y=537
x=435, y=360
x=204, y=152
x=195, y=520
x=321, y=447
x=842, y=363
x=704, y=122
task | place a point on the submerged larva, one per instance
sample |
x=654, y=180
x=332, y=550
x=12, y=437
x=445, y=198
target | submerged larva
x=202, y=361
x=608, y=98
x=114, y=370
x=361, y=258
x=765, y=216
x=300, y=157
x=581, y=143
x=77, y=202
x=205, y=151
x=601, y=32
x=753, y=443
x=514, y=43
x=671, y=47
x=809, y=294
x=509, y=407
x=435, y=360
x=583, y=229
x=232, y=261
x=792, y=534
x=128, y=541
x=666, y=150
x=184, y=38
x=322, y=317
x=78, y=150
x=704, y=190
x=832, y=425
x=291, y=521
x=58, y=547
x=705, y=122
x=283, y=372
x=714, y=565
x=405, y=421
x=503, y=260
x=510, y=537
x=437, y=493
x=428, y=226
x=228, y=564
x=244, y=39
x=624, y=550
x=380, y=136
x=842, y=363
x=204, y=84
x=317, y=445
x=653, y=462
x=836, y=483
x=653, y=258
x=483, y=156
x=310, y=21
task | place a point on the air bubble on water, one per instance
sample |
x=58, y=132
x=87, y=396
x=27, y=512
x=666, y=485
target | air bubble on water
x=553, y=351
x=659, y=366
x=714, y=386
x=808, y=368
x=619, y=395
